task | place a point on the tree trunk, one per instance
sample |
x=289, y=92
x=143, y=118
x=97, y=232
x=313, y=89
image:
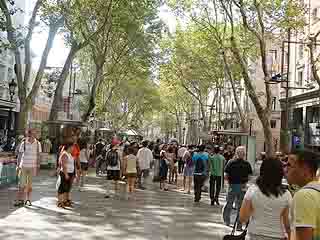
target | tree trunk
x=23, y=117
x=179, y=130
x=93, y=92
x=58, y=95
x=37, y=82
x=268, y=139
x=211, y=111
x=204, y=117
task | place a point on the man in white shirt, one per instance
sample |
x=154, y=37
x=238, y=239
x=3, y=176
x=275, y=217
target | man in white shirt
x=28, y=166
x=145, y=157
x=181, y=152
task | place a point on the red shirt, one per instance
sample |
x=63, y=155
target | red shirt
x=75, y=153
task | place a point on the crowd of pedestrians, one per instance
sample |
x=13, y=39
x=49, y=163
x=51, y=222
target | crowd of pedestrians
x=264, y=205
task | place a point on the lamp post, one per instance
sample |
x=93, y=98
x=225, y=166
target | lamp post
x=12, y=89
x=183, y=136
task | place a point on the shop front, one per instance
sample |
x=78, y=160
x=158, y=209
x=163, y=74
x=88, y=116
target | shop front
x=304, y=120
x=8, y=116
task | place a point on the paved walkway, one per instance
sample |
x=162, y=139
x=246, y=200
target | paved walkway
x=153, y=214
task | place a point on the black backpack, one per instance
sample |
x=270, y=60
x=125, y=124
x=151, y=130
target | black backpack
x=112, y=158
x=199, y=165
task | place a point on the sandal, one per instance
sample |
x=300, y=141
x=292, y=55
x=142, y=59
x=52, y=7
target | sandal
x=19, y=203
x=28, y=203
x=60, y=205
x=67, y=203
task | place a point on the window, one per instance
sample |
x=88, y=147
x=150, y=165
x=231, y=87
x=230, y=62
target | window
x=315, y=13
x=273, y=123
x=301, y=51
x=300, y=78
x=274, y=103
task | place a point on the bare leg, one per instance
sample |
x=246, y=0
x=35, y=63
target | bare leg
x=132, y=184
x=189, y=184
x=28, y=192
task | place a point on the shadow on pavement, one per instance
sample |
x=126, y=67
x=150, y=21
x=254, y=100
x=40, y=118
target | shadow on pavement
x=150, y=214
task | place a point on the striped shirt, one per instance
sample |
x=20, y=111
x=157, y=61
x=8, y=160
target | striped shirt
x=30, y=153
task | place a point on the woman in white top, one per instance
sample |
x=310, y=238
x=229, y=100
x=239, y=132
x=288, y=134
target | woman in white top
x=130, y=168
x=84, y=163
x=66, y=174
x=267, y=204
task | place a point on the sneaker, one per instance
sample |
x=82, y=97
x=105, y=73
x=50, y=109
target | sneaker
x=217, y=202
x=107, y=196
x=18, y=203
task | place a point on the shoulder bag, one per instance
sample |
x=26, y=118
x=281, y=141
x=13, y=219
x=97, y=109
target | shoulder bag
x=232, y=236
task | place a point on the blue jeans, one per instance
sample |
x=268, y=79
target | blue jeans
x=235, y=194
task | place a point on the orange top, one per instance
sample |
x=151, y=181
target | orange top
x=75, y=151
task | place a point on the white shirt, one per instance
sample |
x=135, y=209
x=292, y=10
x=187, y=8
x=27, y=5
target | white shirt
x=182, y=151
x=69, y=163
x=145, y=157
x=30, y=153
x=83, y=156
x=265, y=220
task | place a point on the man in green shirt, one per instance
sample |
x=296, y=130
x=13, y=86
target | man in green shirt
x=216, y=164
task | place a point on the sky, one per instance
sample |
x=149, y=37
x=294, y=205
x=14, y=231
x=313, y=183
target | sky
x=59, y=51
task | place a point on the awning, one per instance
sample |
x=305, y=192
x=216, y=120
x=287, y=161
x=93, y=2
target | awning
x=301, y=97
x=7, y=104
x=230, y=132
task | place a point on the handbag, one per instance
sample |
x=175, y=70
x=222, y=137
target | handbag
x=232, y=236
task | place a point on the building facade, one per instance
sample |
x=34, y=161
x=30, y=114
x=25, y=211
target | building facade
x=9, y=108
x=303, y=102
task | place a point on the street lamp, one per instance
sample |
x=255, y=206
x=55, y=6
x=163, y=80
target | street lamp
x=12, y=89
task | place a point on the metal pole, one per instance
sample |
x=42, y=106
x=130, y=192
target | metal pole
x=70, y=87
x=287, y=90
x=219, y=113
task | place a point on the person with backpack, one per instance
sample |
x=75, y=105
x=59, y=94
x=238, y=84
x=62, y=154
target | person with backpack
x=28, y=167
x=305, y=212
x=187, y=170
x=216, y=165
x=200, y=162
x=113, y=162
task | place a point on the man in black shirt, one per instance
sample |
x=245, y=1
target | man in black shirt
x=237, y=173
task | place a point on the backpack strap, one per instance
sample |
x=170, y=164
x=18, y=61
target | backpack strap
x=314, y=186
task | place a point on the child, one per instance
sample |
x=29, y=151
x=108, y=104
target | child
x=66, y=173
x=130, y=168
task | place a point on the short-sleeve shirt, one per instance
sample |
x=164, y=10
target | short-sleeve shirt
x=306, y=210
x=238, y=171
x=265, y=220
x=216, y=165
x=204, y=157
x=30, y=153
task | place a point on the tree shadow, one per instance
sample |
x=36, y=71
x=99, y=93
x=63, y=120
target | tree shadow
x=152, y=214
